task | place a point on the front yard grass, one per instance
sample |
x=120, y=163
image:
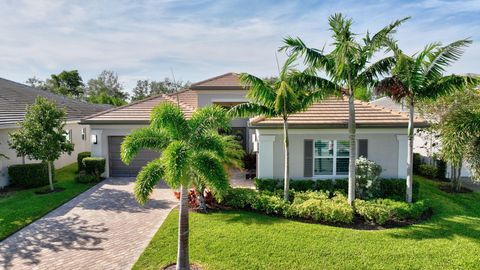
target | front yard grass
x=247, y=240
x=22, y=207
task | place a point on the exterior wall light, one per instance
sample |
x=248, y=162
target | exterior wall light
x=93, y=138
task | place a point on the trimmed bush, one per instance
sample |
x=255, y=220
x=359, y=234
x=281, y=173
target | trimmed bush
x=85, y=178
x=302, y=185
x=94, y=166
x=80, y=158
x=341, y=185
x=441, y=169
x=29, y=175
x=267, y=184
x=396, y=189
x=428, y=171
x=380, y=211
x=240, y=198
x=269, y=204
x=324, y=185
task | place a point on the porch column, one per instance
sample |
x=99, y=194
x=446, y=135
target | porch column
x=402, y=156
x=265, y=156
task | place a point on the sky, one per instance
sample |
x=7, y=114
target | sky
x=201, y=39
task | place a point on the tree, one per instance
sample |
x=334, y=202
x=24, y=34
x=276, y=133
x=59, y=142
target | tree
x=41, y=135
x=106, y=89
x=420, y=77
x=189, y=149
x=67, y=83
x=141, y=90
x=348, y=67
x=36, y=83
x=291, y=92
x=146, y=88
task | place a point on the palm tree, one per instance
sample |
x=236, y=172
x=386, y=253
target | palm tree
x=420, y=77
x=348, y=67
x=189, y=148
x=291, y=92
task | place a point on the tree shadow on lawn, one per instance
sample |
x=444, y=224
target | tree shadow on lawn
x=250, y=217
x=50, y=235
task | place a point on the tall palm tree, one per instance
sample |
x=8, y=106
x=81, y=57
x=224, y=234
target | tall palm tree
x=348, y=66
x=189, y=148
x=293, y=91
x=419, y=77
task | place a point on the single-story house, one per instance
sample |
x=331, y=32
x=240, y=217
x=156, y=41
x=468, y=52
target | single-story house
x=14, y=98
x=318, y=136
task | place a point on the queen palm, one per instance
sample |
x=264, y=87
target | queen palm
x=420, y=77
x=348, y=67
x=189, y=149
x=293, y=91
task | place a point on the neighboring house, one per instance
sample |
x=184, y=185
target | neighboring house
x=425, y=143
x=318, y=136
x=14, y=97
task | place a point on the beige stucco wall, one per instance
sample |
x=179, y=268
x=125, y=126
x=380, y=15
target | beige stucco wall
x=383, y=148
x=65, y=159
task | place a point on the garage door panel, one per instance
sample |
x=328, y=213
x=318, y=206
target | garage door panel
x=117, y=167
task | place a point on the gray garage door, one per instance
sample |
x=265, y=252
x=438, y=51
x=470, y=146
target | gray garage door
x=117, y=167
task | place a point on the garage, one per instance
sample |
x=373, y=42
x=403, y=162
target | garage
x=117, y=167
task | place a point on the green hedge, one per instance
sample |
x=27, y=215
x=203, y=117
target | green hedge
x=29, y=175
x=380, y=211
x=80, y=158
x=94, y=166
x=428, y=171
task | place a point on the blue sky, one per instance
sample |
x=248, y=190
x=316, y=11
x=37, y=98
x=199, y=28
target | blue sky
x=201, y=39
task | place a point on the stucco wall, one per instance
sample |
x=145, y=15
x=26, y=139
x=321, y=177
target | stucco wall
x=65, y=159
x=383, y=148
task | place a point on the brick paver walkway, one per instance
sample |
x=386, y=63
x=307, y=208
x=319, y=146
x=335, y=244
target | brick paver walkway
x=103, y=228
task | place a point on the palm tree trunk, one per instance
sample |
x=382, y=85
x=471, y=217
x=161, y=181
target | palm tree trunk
x=352, y=155
x=287, y=157
x=182, y=254
x=410, y=153
x=50, y=178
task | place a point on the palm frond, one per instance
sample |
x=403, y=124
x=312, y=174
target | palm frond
x=442, y=57
x=211, y=142
x=208, y=118
x=374, y=71
x=251, y=109
x=143, y=138
x=312, y=57
x=287, y=99
x=175, y=162
x=383, y=37
x=211, y=171
x=446, y=85
x=234, y=152
x=146, y=180
x=392, y=87
x=259, y=90
x=169, y=116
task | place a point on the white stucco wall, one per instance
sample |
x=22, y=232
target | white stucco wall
x=65, y=159
x=383, y=148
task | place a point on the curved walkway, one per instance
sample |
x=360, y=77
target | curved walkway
x=103, y=228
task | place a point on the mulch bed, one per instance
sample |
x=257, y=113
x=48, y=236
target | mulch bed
x=174, y=267
x=48, y=191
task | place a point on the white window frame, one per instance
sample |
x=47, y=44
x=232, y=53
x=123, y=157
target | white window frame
x=334, y=160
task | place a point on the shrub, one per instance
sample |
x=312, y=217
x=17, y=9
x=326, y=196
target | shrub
x=319, y=207
x=341, y=185
x=396, y=189
x=441, y=169
x=428, y=171
x=94, y=166
x=302, y=185
x=240, y=198
x=80, y=158
x=270, y=204
x=417, y=161
x=324, y=185
x=367, y=178
x=250, y=161
x=266, y=184
x=29, y=175
x=85, y=178
x=382, y=210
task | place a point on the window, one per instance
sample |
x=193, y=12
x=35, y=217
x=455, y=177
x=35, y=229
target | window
x=84, y=134
x=331, y=157
x=70, y=135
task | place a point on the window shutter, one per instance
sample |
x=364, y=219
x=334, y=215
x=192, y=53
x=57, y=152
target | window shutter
x=308, y=158
x=363, y=148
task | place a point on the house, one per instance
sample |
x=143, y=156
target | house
x=14, y=97
x=424, y=142
x=318, y=136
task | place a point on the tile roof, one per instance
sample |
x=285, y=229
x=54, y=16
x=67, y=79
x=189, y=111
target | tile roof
x=333, y=112
x=227, y=81
x=14, y=97
x=139, y=112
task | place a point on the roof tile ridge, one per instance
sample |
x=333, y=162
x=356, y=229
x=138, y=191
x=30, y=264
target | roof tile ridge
x=182, y=104
x=213, y=78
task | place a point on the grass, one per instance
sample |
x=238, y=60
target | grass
x=22, y=207
x=246, y=240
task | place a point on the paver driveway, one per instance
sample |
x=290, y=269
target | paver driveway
x=103, y=228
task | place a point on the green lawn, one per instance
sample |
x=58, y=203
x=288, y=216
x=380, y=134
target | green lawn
x=20, y=208
x=245, y=240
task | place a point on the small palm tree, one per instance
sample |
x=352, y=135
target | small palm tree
x=291, y=92
x=420, y=77
x=189, y=149
x=348, y=68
